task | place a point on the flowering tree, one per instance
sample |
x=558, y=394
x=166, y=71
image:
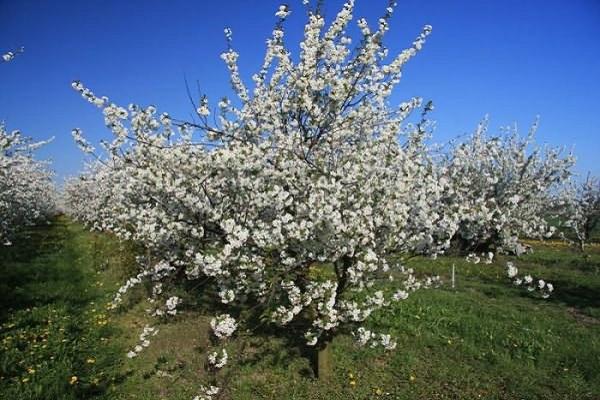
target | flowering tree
x=293, y=201
x=26, y=191
x=89, y=197
x=501, y=188
x=579, y=206
x=291, y=204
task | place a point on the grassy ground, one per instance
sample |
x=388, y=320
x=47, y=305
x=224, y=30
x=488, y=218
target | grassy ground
x=483, y=340
x=56, y=338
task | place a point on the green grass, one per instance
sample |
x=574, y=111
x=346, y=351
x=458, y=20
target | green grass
x=486, y=339
x=54, y=326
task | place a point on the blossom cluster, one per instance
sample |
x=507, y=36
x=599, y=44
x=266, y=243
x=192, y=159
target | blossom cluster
x=218, y=359
x=487, y=258
x=528, y=282
x=223, y=326
x=144, y=341
x=207, y=393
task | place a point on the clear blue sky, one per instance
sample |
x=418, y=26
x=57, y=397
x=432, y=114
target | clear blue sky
x=513, y=59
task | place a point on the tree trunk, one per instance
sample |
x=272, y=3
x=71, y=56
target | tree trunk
x=324, y=364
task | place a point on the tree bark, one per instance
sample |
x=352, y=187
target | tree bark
x=324, y=370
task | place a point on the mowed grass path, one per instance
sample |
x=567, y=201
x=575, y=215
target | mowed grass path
x=55, y=334
x=486, y=339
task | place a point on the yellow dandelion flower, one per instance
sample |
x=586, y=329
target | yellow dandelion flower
x=353, y=383
x=73, y=380
x=90, y=360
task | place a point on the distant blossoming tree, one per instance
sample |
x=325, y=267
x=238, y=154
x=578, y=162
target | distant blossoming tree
x=579, y=208
x=501, y=188
x=27, y=194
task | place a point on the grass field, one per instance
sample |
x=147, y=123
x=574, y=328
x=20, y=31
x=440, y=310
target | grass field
x=483, y=340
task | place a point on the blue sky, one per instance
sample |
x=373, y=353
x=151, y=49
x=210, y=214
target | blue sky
x=511, y=59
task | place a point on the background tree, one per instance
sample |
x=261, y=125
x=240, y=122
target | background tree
x=580, y=210
x=501, y=187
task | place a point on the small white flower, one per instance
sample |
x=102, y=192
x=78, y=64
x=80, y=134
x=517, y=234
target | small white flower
x=218, y=360
x=387, y=342
x=283, y=11
x=363, y=336
x=511, y=270
x=400, y=295
x=541, y=284
x=203, y=110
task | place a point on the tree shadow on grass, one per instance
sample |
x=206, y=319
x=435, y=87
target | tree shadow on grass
x=38, y=269
x=571, y=294
x=577, y=296
x=279, y=348
x=267, y=344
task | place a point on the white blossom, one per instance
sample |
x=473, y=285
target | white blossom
x=223, y=326
x=218, y=359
